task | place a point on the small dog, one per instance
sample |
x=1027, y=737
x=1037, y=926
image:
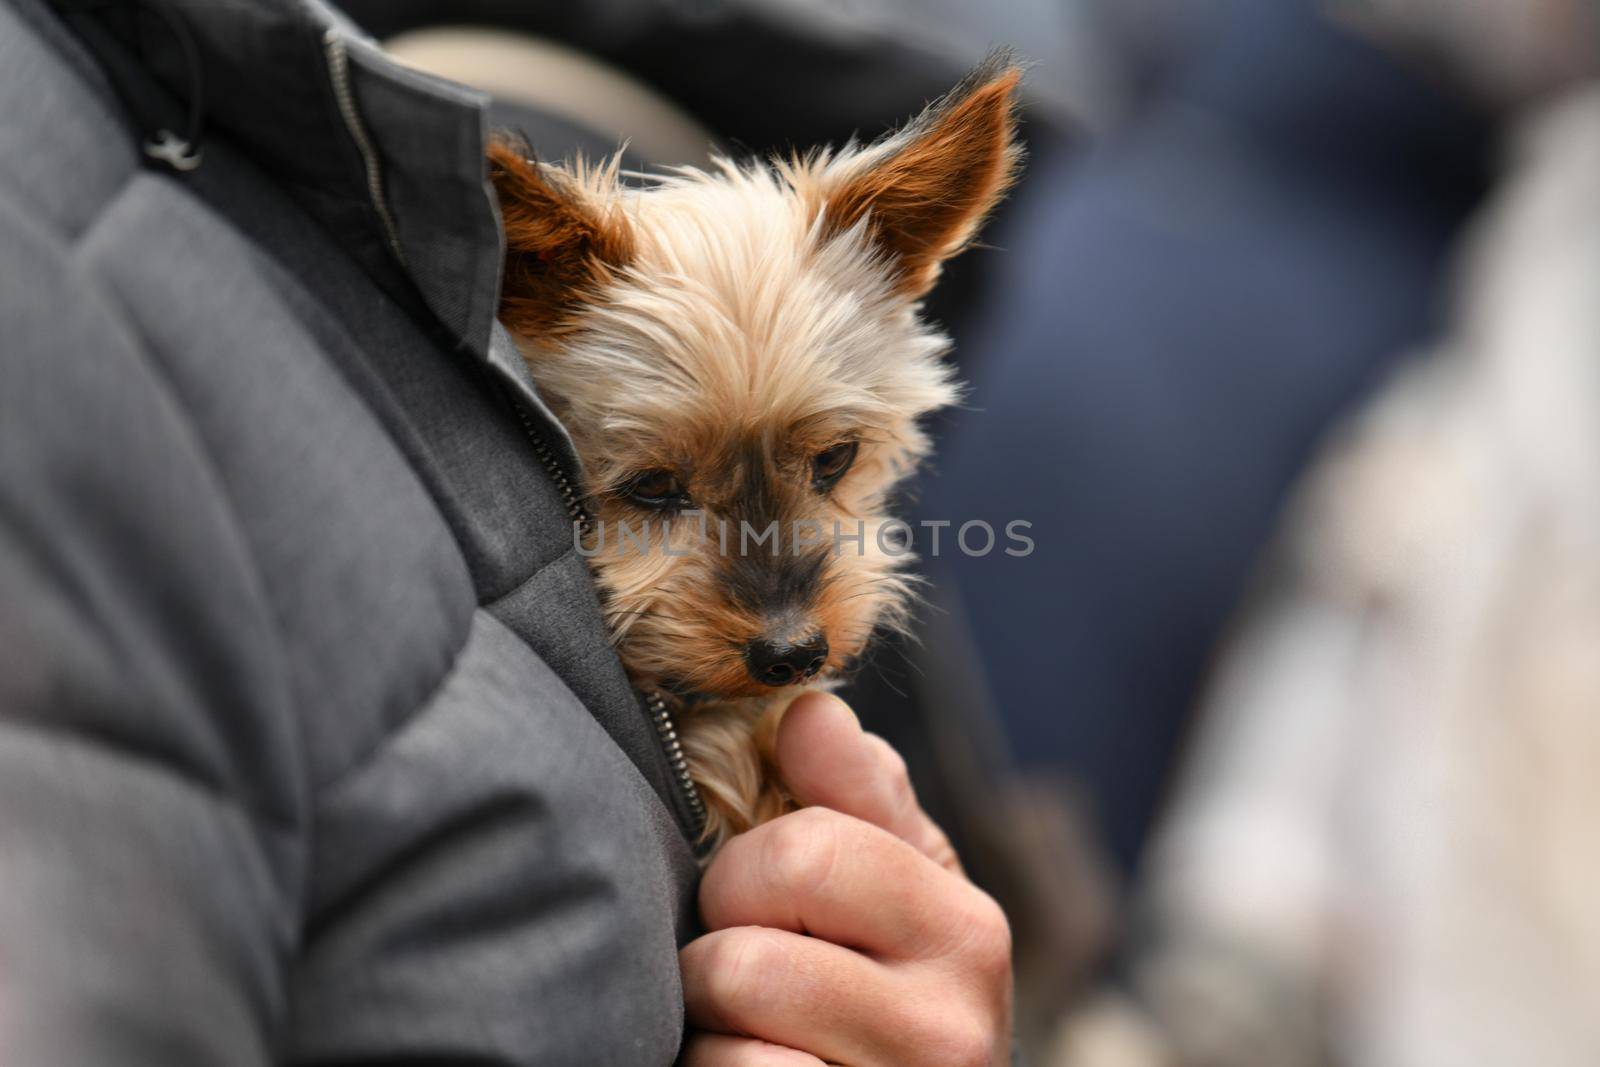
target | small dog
x=739, y=359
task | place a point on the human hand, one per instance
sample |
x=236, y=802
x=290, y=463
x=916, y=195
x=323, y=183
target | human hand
x=845, y=932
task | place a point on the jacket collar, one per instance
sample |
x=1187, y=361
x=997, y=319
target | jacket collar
x=389, y=160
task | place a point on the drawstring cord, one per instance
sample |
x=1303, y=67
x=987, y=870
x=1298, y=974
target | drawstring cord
x=180, y=153
x=176, y=151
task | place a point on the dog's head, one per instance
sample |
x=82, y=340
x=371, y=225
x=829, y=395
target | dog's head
x=739, y=359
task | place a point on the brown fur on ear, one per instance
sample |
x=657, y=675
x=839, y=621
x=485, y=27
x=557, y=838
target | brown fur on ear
x=927, y=189
x=562, y=240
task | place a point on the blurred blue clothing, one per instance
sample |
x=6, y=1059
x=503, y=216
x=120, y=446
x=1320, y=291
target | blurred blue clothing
x=1177, y=319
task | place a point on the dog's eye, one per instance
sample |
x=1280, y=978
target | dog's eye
x=657, y=489
x=829, y=465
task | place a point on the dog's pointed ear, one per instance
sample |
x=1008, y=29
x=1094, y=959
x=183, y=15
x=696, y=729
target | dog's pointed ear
x=926, y=190
x=564, y=238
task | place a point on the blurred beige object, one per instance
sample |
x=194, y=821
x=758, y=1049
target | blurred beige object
x=1109, y=1031
x=561, y=81
x=1386, y=850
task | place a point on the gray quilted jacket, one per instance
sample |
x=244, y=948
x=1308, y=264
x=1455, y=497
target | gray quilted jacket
x=312, y=747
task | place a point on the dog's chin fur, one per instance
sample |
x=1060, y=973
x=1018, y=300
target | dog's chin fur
x=729, y=327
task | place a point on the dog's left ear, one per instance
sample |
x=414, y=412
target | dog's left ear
x=926, y=190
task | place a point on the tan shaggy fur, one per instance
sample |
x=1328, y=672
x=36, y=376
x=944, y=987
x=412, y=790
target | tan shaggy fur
x=726, y=329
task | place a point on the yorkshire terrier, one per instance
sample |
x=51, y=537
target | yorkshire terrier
x=740, y=360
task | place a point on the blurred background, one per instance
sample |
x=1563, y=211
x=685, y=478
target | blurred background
x=1283, y=746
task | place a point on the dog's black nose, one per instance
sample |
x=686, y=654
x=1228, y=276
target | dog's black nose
x=772, y=663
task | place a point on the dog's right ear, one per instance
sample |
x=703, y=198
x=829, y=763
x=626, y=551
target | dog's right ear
x=564, y=239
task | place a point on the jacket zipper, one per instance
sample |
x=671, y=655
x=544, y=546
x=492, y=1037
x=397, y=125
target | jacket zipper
x=338, y=53
x=660, y=715
x=673, y=746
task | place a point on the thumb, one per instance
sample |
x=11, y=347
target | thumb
x=827, y=760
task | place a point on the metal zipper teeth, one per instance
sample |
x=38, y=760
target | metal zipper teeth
x=660, y=716
x=673, y=745
x=541, y=448
x=339, y=70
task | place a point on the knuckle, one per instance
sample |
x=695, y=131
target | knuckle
x=739, y=965
x=720, y=885
x=988, y=942
x=953, y=1025
x=896, y=777
x=957, y=1037
x=893, y=764
x=802, y=849
x=941, y=851
x=968, y=1040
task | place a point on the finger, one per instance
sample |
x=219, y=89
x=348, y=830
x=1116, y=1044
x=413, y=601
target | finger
x=796, y=992
x=827, y=760
x=920, y=831
x=816, y=871
x=723, y=1050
